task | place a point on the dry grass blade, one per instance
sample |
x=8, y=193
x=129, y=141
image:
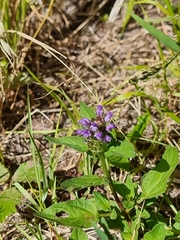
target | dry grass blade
x=52, y=51
x=115, y=10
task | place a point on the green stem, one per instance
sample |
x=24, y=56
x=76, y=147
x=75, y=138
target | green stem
x=105, y=169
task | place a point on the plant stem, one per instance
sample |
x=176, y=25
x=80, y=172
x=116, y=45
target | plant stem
x=105, y=169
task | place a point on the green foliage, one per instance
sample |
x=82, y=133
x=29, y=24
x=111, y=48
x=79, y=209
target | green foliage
x=173, y=116
x=102, y=202
x=86, y=111
x=158, y=232
x=9, y=198
x=74, y=142
x=25, y=173
x=166, y=40
x=4, y=173
x=78, y=233
x=123, y=149
x=12, y=17
x=105, y=235
x=78, y=213
x=128, y=215
x=142, y=122
x=177, y=217
x=154, y=182
x=85, y=181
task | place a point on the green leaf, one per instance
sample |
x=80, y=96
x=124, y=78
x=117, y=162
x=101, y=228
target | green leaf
x=74, y=142
x=139, y=128
x=177, y=217
x=86, y=112
x=126, y=236
x=78, y=213
x=131, y=186
x=154, y=182
x=25, y=172
x=26, y=194
x=122, y=189
x=125, y=150
x=144, y=214
x=4, y=173
x=126, y=96
x=128, y=204
x=113, y=214
x=78, y=234
x=154, y=218
x=75, y=184
x=9, y=198
x=102, y=203
x=120, y=162
x=100, y=233
x=103, y=234
x=158, y=232
x=176, y=225
x=130, y=6
x=166, y=40
x=174, y=70
x=173, y=116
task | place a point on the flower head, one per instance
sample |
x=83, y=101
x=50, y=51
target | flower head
x=97, y=128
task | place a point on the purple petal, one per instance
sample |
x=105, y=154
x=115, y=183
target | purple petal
x=79, y=131
x=99, y=111
x=110, y=126
x=106, y=138
x=84, y=133
x=85, y=122
x=108, y=117
x=98, y=135
x=93, y=127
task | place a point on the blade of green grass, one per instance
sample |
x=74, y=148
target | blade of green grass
x=35, y=151
x=171, y=13
x=130, y=7
x=166, y=40
x=25, y=193
x=155, y=3
x=23, y=232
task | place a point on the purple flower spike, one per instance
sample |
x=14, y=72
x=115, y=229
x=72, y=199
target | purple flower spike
x=98, y=135
x=110, y=126
x=98, y=128
x=85, y=122
x=108, y=117
x=99, y=111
